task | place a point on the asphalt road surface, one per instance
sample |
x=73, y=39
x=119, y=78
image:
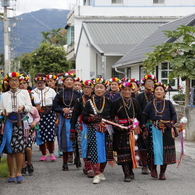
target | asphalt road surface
x=49, y=179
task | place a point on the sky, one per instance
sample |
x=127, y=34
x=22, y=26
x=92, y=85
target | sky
x=24, y=6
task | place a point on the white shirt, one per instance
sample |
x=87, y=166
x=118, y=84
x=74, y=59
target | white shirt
x=45, y=95
x=36, y=99
x=22, y=98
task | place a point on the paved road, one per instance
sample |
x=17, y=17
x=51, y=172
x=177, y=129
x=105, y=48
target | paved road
x=49, y=179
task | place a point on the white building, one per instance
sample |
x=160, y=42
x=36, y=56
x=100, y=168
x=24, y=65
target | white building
x=91, y=20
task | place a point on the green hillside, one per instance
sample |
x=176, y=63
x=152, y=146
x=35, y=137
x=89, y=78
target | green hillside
x=26, y=35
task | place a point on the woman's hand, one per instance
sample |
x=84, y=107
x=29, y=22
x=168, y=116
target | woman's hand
x=66, y=110
x=4, y=113
x=33, y=124
x=20, y=108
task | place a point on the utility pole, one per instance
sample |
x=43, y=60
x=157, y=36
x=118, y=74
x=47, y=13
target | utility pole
x=6, y=4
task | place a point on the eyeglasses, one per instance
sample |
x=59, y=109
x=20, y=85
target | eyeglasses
x=149, y=81
x=14, y=80
x=23, y=83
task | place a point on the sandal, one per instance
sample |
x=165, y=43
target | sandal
x=127, y=178
x=77, y=162
x=65, y=167
x=11, y=180
x=19, y=178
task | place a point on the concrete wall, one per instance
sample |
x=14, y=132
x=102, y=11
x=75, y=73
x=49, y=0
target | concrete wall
x=189, y=113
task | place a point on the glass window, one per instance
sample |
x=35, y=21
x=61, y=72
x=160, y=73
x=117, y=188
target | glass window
x=117, y=1
x=128, y=72
x=164, y=74
x=164, y=66
x=158, y=1
x=70, y=35
x=164, y=81
x=141, y=72
x=172, y=83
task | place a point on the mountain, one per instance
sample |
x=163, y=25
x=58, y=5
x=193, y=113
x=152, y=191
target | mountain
x=26, y=35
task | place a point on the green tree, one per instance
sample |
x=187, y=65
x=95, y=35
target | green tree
x=55, y=36
x=49, y=58
x=179, y=51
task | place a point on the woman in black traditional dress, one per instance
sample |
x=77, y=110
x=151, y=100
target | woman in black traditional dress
x=114, y=92
x=63, y=104
x=144, y=98
x=99, y=142
x=126, y=110
x=79, y=130
x=161, y=116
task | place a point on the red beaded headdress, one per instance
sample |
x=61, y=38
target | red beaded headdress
x=52, y=76
x=149, y=76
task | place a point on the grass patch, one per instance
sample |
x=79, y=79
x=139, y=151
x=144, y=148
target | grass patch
x=4, y=171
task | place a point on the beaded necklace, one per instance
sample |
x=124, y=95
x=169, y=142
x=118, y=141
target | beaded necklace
x=146, y=97
x=67, y=105
x=159, y=112
x=125, y=105
x=102, y=107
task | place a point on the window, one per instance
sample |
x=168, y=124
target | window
x=70, y=35
x=117, y=1
x=158, y=1
x=117, y=74
x=141, y=72
x=164, y=74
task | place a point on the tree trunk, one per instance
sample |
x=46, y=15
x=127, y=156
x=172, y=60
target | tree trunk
x=187, y=94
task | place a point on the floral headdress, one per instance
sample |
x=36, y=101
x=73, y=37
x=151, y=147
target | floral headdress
x=24, y=77
x=114, y=79
x=77, y=79
x=12, y=74
x=138, y=83
x=39, y=78
x=5, y=81
x=52, y=76
x=149, y=76
x=66, y=75
x=160, y=84
x=87, y=83
x=99, y=81
x=126, y=84
x=125, y=79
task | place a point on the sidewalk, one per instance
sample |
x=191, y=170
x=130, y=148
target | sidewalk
x=189, y=148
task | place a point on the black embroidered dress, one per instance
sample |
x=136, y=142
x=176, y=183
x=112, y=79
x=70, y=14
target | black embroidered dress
x=65, y=98
x=156, y=126
x=99, y=143
x=121, y=142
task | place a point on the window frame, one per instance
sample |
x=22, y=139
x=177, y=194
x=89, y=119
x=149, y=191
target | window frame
x=117, y=3
x=158, y=3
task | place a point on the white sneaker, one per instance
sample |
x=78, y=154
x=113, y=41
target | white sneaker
x=102, y=177
x=96, y=179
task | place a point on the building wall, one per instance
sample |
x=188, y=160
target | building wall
x=144, y=3
x=189, y=113
x=121, y=13
x=83, y=62
x=109, y=62
x=135, y=72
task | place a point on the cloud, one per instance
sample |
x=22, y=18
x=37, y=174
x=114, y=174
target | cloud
x=23, y=6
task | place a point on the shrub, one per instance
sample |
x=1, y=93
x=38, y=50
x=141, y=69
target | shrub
x=4, y=171
x=179, y=97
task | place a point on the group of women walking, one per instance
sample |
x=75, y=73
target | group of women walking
x=100, y=121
